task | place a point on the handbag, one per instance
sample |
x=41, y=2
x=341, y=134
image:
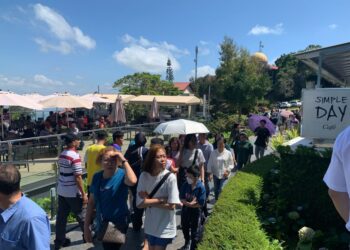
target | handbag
x=109, y=232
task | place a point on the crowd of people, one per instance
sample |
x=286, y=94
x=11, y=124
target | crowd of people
x=283, y=121
x=54, y=123
x=152, y=182
x=160, y=180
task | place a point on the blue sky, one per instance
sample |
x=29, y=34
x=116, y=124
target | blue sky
x=75, y=46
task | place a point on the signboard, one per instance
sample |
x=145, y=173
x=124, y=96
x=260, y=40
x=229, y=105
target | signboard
x=326, y=112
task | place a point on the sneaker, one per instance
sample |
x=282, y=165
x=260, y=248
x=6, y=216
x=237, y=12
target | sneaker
x=66, y=243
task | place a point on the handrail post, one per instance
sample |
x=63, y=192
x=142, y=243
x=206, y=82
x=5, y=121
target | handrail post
x=59, y=146
x=10, y=151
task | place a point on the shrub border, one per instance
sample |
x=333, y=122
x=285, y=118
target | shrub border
x=234, y=223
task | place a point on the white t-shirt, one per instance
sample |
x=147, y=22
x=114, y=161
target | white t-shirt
x=159, y=222
x=337, y=176
x=220, y=162
x=188, y=156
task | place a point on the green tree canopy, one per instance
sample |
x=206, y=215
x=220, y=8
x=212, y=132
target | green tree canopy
x=242, y=80
x=145, y=84
x=292, y=76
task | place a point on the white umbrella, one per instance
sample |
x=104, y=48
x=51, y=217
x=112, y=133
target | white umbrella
x=12, y=99
x=96, y=99
x=66, y=101
x=154, y=109
x=181, y=127
x=118, y=112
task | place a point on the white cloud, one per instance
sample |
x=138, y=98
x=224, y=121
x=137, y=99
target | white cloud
x=45, y=81
x=203, y=43
x=67, y=35
x=333, y=26
x=144, y=55
x=203, y=51
x=79, y=77
x=71, y=83
x=9, y=18
x=37, y=83
x=21, y=9
x=63, y=47
x=11, y=82
x=265, y=30
x=202, y=71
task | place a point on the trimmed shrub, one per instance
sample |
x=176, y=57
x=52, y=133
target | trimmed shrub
x=296, y=196
x=234, y=223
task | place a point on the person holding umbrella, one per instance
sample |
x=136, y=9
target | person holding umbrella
x=262, y=139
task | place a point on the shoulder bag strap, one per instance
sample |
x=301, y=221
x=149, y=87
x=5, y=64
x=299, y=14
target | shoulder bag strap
x=195, y=157
x=156, y=188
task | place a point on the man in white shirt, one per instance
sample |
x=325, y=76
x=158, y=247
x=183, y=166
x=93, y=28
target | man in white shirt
x=337, y=176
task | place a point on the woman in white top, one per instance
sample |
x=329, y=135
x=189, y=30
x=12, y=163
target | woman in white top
x=160, y=217
x=220, y=165
x=190, y=155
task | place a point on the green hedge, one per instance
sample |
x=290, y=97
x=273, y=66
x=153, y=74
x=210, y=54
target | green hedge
x=296, y=196
x=234, y=223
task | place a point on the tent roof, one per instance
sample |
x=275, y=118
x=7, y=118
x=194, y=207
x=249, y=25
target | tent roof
x=166, y=100
x=113, y=97
x=335, y=62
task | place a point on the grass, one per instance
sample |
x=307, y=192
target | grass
x=234, y=223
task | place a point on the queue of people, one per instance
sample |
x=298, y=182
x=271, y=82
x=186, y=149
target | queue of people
x=159, y=179
x=166, y=177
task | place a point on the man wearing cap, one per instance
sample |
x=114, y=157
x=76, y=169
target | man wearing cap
x=71, y=194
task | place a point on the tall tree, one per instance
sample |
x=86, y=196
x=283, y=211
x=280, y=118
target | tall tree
x=242, y=80
x=292, y=76
x=145, y=84
x=169, y=72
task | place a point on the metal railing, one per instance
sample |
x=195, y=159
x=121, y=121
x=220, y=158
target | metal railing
x=26, y=150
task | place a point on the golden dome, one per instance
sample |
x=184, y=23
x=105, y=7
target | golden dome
x=261, y=57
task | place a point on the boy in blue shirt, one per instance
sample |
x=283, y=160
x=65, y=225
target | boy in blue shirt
x=192, y=196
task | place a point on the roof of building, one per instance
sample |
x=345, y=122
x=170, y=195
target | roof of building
x=261, y=57
x=166, y=100
x=335, y=62
x=182, y=85
x=113, y=97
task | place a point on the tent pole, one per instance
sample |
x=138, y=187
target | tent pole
x=2, y=123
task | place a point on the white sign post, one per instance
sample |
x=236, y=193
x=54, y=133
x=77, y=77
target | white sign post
x=326, y=112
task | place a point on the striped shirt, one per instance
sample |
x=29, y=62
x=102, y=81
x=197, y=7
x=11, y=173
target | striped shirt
x=69, y=164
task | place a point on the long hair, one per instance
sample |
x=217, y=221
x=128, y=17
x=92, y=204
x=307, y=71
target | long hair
x=173, y=139
x=190, y=138
x=148, y=164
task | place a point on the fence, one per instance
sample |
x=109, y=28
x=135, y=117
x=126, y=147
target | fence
x=27, y=150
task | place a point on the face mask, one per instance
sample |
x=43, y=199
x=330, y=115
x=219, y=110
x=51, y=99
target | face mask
x=189, y=180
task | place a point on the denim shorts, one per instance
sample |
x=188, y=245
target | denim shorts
x=156, y=241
